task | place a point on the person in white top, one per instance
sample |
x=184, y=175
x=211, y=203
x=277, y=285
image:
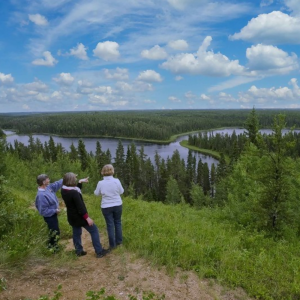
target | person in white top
x=110, y=189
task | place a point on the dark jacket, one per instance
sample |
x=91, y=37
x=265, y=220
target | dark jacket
x=75, y=207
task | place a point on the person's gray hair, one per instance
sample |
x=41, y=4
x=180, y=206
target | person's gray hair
x=70, y=179
x=41, y=178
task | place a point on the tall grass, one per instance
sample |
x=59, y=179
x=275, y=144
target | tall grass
x=199, y=240
x=175, y=236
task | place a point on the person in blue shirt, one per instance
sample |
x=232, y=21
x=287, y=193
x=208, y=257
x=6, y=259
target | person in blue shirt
x=47, y=205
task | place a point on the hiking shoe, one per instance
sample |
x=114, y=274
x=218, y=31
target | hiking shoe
x=82, y=253
x=102, y=253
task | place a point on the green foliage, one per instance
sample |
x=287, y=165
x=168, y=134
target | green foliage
x=200, y=240
x=234, y=243
x=252, y=126
x=263, y=188
x=199, y=200
x=8, y=213
x=100, y=295
x=151, y=125
x=148, y=296
x=173, y=193
x=2, y=284
x=57, y=295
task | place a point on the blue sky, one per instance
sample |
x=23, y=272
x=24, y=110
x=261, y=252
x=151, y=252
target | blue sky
x=75, y=55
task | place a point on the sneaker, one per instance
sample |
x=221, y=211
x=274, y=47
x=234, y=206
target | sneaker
x=102, y=253
x=82, y=253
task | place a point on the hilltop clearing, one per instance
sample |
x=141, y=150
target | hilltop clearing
x=120, y=273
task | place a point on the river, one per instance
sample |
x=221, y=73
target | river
x=164, y=151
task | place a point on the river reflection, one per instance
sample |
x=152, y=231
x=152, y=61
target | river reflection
x=164, y=151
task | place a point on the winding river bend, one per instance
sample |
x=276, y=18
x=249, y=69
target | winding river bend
x=164, y=151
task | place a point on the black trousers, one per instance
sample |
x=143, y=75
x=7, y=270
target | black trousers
x=54, y=232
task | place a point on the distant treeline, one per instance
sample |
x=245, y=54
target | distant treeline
x=150, y=125
x=168, y=181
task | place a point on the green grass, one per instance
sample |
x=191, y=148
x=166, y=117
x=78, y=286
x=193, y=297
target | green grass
x=179, y=236
x=211, y=153
x=174, y=236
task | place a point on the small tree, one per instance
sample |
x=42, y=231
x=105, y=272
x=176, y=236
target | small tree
x=199, y=200
x=173, y=193
x=252, y=125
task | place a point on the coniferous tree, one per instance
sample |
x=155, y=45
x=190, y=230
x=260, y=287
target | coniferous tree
x=46, y=152
x=73, y=154
x=83, y=155
x=212, y=179
x=173, y=195
x=221, y=168
x=198, y=198
x=200, y=173
x=262, y=191
x=135, y=169
x=52, y=149
x=119, y=161
x=252, y=125
x=190, y=177
x=162, y=183
x=128, y=171
x=206, y=179
x=2, y=155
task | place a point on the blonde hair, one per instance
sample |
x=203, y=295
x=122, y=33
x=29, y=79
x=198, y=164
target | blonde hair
x=70, y=179
x=108, y=170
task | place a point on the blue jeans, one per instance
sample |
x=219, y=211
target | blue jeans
x=112, y=217
x=93, y=230
x=54, y=232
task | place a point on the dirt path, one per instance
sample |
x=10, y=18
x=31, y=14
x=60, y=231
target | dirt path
x=120, y=273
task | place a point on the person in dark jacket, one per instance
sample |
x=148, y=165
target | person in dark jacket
x=78, y=216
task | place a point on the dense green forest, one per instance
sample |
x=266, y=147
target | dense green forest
x=158, y=125
x=238, y=222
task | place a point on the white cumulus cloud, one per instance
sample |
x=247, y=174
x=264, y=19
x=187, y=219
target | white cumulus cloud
x=273, y=28
x=264, y=94
x=47, y=61
x=37, y=85
x=84, y=83
x=117, y=74
x=108, y=51
x=155, y=53
x=203, y=62
x=6, y=78
x=64, y=79
x=150, y=76
x=270, y=59
x=293, y=5
x=179, y=45
x=38, y=19
x=79, y=51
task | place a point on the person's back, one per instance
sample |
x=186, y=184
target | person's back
x=75, y=205
x=110, y=189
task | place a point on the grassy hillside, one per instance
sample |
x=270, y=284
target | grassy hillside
x=174, y=236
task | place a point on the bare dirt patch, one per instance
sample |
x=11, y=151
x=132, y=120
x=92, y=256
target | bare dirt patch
x=120, y=273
